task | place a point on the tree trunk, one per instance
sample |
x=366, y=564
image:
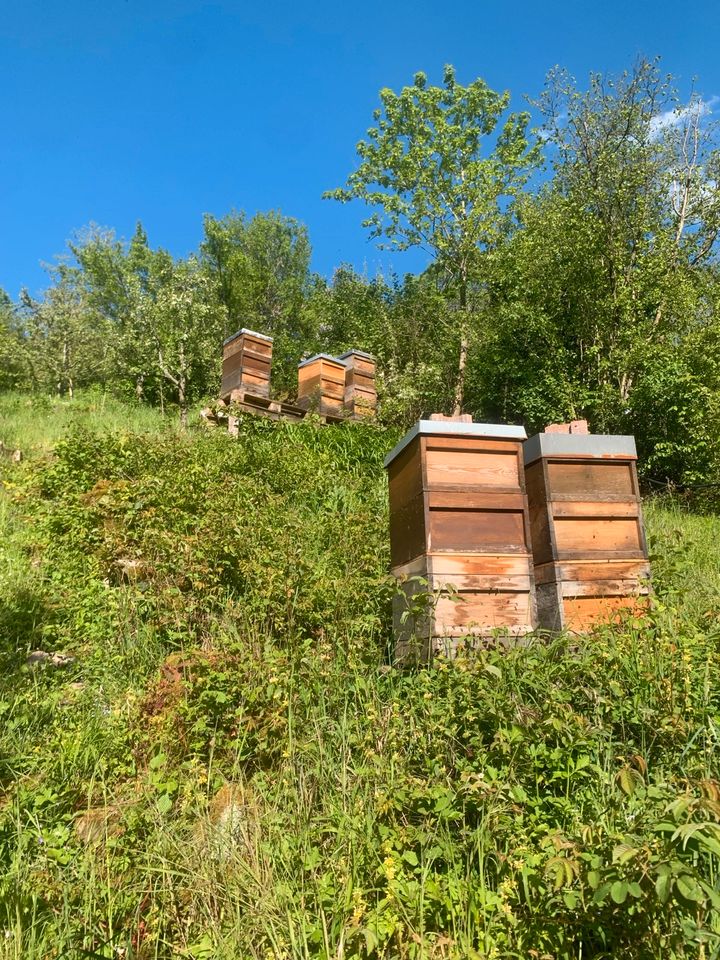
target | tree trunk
x=139, y=387
x=462, y=358
x=182, y=387
x=182, y=399
x=460, y=380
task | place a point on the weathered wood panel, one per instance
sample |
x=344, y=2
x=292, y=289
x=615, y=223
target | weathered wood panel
x=589, y=535
x=584, y=480
x=247, y=361
x=472, y=468
x=360, y=390
x=584, y=613
x=479, y=531
x=475, y=569
x=586, y=525
x=321, y=385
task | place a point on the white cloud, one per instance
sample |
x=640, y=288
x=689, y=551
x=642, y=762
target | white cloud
x=674, y=118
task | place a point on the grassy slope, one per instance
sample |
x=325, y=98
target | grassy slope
x=228, y=768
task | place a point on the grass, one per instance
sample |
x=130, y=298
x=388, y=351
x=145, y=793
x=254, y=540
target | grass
x=33, y=424
x=229, y=768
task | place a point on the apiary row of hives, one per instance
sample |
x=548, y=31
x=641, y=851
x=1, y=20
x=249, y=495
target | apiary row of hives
x=493, y=533
x=333, y=387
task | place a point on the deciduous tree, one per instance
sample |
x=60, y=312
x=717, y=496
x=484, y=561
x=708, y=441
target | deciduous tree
x=443, y=173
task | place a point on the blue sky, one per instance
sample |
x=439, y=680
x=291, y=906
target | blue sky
x=162, y=110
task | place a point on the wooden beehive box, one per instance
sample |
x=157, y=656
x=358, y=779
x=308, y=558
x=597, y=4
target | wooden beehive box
x=587, y=531
x=321, y=385
x=247, y=358
x=360, y=391
x=459, y=536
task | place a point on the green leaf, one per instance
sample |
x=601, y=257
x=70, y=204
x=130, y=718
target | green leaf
x=164, y=803
x=689, y=888
x=371, y=939
x=663, y=887
x=619, y=891
x=601, y=893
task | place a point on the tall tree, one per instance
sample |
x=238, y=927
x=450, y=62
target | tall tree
x=261, y=270
x=66, y=343
x=12, y=367
x=607, y=298
x=444, y=176
x=185, y=325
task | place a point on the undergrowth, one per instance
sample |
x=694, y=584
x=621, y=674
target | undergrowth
x=227, y=766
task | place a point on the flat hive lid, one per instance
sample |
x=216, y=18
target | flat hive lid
x=590, y=445
x=253, y=333
x=450, y=428
x=322, y=356
x=355, y=353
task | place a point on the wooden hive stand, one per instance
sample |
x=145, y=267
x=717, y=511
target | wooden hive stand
x=247, y=358
x=459, y=536
x=587, y=531
x=321, y=385
x=360, y=391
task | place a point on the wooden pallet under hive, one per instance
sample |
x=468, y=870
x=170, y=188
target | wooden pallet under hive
x=588, y=538
x=459, y=537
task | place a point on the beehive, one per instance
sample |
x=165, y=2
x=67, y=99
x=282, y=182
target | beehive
x=247, y=358
x=459, y=536
x=360, y=391
x=587, y=532
x=321, y=385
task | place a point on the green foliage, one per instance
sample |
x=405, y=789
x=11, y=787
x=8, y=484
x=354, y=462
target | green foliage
x=230, y=768
x=607, y=297
x=261, y=268
x=590, y=291
x=427, y=165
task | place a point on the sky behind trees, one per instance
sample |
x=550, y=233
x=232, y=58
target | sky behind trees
x=162, y=111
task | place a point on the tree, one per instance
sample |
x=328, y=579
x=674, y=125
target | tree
x=120, y=280
x=65, y=342
x=606, y=299
x=642, y=171
x=261, y=270
x=427, y=167
x=12, y=367
x=186, y=325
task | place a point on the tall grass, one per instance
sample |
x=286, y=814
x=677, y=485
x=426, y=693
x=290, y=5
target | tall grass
x=229, y=767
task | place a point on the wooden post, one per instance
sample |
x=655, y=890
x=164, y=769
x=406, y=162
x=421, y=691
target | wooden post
x=459, y=536
x=587, y=531
x=247, y=358
x=360, y=391
x=321, y=385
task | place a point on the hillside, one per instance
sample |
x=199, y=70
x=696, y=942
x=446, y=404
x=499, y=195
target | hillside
x=213, y=757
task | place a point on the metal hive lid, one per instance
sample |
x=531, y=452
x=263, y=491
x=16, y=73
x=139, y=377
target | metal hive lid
x=591, y=445
x=494, y=431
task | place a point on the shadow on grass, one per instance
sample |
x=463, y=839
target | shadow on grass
x=24, y=618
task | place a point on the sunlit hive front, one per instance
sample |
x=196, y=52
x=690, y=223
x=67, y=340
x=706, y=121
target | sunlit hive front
x=459, y=536
x=360, y=390
x=587, y=531
x=247, y=358
x=321, y=385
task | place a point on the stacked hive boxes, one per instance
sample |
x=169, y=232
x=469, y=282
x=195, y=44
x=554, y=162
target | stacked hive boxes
x=321, y=385
x=587, y=531
x=247, y=358
x=459, y=534
x=360, y=392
